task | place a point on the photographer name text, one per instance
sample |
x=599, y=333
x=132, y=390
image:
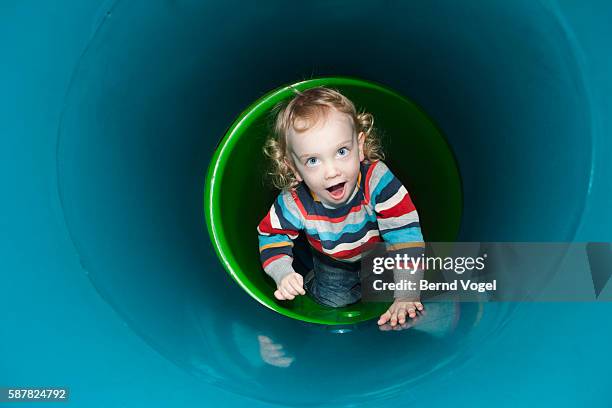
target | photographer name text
x=425, y=285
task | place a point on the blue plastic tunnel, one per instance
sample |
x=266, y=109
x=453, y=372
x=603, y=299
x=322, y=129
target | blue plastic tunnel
x=111, y=114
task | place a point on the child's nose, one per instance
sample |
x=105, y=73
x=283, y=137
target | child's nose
x=331, y=171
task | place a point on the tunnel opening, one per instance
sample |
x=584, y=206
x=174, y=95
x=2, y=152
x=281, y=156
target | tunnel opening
x=238, y=193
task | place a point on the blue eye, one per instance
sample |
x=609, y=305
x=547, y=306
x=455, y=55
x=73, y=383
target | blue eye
x=343, y=151
x=312, y=161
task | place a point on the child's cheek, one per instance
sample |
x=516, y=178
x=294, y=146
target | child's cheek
x=309, y=173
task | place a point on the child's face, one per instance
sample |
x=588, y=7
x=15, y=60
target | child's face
x=327, y=157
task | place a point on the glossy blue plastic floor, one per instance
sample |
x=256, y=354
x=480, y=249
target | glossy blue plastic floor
x=109, y=117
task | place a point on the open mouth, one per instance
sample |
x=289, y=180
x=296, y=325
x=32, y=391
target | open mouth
x=337, y=190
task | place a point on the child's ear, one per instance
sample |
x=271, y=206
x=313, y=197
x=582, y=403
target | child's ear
x=361, y=141
x=295, y=173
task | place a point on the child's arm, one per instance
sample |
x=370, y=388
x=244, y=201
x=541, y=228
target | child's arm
x=397, y=217
x=276, y=231
x=399, y=226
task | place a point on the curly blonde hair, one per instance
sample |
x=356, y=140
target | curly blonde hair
x=300, y=114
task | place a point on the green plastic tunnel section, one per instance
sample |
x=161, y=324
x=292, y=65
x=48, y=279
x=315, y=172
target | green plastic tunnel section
x=237, y=196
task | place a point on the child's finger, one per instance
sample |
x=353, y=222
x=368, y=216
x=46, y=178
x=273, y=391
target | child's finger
x=384, y=318
x=394, y=318
x=289, y=289
x=286, y=294
x=401, y=315
x=295, y=284
x=300, y=282
x=419, y=306
x=279, y=295
x=412, y=312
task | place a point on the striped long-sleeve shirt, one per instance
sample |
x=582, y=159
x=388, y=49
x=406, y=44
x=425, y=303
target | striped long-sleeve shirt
x=380, y=210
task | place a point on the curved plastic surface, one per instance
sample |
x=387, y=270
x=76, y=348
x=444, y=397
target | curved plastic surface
x=111, y=112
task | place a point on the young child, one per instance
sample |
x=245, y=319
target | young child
x=335, y=188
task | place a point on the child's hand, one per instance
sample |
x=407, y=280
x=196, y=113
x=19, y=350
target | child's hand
x=398, y=310
x=290, y=286
x=399, y=327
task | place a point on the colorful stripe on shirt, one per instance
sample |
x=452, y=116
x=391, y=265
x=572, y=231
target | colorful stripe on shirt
x=380, y=210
